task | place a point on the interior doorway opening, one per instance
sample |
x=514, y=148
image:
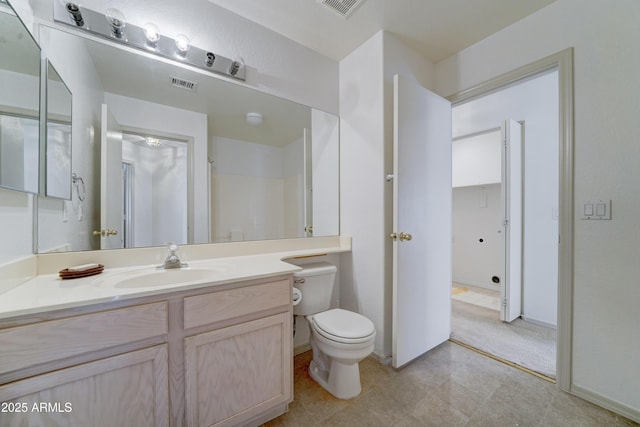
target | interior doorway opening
x=487, y=313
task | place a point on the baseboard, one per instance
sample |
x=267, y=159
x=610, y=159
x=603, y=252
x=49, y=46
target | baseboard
x=612, y=405
x=539, y=322
x=477, y=284
x=302, y=348
x=381, y=358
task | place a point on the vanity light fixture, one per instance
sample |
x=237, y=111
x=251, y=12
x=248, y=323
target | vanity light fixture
x=254, y=119
x=74, y=11
x=116, y=19
x=111, y=25
x=152, y=34
x=182, y=44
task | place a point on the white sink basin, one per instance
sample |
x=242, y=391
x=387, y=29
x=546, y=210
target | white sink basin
x=152, y=277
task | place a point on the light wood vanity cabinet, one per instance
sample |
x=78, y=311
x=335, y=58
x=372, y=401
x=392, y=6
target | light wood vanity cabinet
x=235, y=373
x=130, y=389
x=219, y=355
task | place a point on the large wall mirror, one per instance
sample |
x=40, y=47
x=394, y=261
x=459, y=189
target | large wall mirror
x=19, y=104
x=170, y=153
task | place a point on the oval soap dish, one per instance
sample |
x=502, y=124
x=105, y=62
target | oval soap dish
x=76, y=273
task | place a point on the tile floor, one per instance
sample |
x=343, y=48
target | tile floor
x=448, y=386
x=487, y=298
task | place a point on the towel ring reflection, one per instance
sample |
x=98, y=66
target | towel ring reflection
x=78, y=181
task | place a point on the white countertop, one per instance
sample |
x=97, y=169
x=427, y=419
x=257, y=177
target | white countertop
x=48, y=292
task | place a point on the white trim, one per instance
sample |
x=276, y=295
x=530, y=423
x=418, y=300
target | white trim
x=605, y=402
x=563, y=62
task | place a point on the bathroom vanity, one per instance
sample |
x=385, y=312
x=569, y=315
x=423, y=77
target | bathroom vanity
x=217, y=353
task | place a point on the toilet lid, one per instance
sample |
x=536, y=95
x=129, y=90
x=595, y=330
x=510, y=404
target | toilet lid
x=343, y=324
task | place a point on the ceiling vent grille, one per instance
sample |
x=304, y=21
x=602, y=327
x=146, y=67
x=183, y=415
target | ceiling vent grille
x=184, y=84
x=343, y=8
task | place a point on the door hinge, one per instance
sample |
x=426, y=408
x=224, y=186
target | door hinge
x=505, y=222
x=504, y=302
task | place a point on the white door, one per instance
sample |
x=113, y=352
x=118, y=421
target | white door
x=511, y=289
x=111, y=196
x=421, y=221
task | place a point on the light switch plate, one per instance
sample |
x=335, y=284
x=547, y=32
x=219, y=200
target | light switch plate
x=599, y=209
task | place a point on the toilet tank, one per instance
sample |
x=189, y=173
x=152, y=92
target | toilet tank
x=315, y=282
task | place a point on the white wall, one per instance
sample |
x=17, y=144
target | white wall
x=248, y=194
x=16, y=225
x=534, y=102
x=366, y=148
x=606, y=340
x=136, y=115
x=362, y=183
x=477, y=214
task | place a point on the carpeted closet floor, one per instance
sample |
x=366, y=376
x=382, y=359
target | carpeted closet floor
x=523, y=343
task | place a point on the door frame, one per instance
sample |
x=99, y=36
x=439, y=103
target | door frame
x=563, y=62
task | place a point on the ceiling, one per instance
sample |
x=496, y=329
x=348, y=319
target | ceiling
x=435, y=28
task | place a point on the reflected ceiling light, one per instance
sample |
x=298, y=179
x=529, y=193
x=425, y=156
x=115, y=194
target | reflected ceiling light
x=182, y=44
x=153, y=142
x=152, y=34
x=116, y=19
x=74, y=11
x=254, y=119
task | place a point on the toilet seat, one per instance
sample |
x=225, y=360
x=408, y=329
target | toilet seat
x=343, y=326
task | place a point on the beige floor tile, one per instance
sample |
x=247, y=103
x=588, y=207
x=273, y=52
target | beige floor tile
x=448, y=386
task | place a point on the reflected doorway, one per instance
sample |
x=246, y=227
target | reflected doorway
x=155, y=190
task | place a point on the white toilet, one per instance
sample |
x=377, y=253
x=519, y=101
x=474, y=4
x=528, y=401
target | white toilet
x=339, y=338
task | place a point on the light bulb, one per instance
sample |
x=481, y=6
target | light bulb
x=116, y=19
x=182, y=44
x=152, y=34
x=236, y=66
x=210, y=58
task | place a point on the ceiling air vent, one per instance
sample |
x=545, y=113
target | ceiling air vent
x=184, y=84
x=344, y=8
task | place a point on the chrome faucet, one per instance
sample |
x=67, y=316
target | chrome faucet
x=172, y=260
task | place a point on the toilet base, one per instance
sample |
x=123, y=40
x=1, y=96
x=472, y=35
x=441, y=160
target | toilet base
x=341, y=380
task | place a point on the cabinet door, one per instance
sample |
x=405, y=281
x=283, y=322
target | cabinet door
x=125, y=390
x=235, y=373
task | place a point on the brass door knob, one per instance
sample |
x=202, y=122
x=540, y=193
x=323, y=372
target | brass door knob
x=405, y=237
x=104, y=233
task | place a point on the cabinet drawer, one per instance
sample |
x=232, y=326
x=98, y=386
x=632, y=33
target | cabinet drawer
x=223, y=305
x=28, y=345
